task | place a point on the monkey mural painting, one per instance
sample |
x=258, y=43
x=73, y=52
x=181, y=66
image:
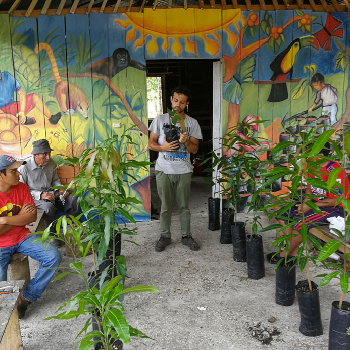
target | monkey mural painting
x=78, y=79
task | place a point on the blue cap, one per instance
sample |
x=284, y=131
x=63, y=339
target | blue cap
x=6, y=161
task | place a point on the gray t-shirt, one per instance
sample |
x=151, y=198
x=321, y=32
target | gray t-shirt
x=177, y=162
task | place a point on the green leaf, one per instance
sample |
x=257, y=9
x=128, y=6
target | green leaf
x=329, y=248
x=314, y=207
x=110, y=285
x=332, y=178
x=116, y=319
x=326, y=279
x=61, y=276
x=346, y=141
x=299, y=13
x=320, y=142
x=344, y=282
x=138, y=289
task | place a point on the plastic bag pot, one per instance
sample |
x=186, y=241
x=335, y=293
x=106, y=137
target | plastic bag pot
x=309, y=308
x=285, y=284
x=255, y=257
x=118, y=344
x=171, y=135
x=214, y=214
x=340, y=322
x=239, y=241
x=228, y=217
x=108, y=260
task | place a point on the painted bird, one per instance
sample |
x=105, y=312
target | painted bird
x=283, y=64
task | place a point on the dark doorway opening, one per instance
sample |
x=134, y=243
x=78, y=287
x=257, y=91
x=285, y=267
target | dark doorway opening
x=197, y=75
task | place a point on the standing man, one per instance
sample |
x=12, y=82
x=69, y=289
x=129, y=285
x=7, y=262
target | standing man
x=40, y=174
x=17, y=210
x=173, y=167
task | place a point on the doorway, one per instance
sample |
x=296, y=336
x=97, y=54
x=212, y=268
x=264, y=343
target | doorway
x=197, y=75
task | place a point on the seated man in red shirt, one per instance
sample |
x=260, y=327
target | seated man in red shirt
x=325, y=201
x=17, y=209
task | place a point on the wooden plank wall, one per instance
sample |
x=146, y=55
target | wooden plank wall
x=89, y=82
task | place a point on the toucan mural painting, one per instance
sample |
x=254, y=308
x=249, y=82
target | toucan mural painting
x=78, y=79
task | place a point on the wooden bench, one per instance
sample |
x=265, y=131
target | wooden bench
x=10, y=334
x=18, y=268
x=323, y=233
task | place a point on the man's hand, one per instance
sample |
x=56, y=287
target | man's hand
x=27, y=208
x=183, y=137
x=47, y=195
x=302, y=208
x=170, y=147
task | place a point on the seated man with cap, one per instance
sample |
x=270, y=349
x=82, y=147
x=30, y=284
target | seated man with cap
x=40, y=174
x=17, y=209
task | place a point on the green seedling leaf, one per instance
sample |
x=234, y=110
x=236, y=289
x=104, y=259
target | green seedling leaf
x=326, y=279
x=116, y=319
x=329, y=248
x=332, y=178
x=320, y=142
x=346, y=141
x=344, y=282
x=138, y=289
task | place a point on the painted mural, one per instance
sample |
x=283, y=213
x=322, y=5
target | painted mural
x=79, y=79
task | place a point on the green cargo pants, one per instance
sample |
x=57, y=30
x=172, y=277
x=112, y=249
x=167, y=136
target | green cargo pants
x=169, y=185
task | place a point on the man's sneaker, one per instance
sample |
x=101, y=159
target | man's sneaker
x=22, y=306
x=190, y=242
x=162, y=243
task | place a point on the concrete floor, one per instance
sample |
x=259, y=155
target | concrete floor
x=205, y=299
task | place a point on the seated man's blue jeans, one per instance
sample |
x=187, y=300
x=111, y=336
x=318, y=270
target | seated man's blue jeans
x=47, y=255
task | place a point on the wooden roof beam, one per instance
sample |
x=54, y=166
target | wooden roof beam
x=201, y=4
x=82, y=10
x=346, y=2
x=60, y=7
x=325, y=6
x=116, y=6
x=46, y=7
x=14, y=6
x=263, y=5
x=74, y=6
x=223, y=4
x=335, y=4
x=212, y=4
x=155, y=5
x=249, y=4
x=275, y=5
x=300, y=4
x=169, y=4
x=130, y=4
x=185, y=4
x=90, y=6
x=102, y=8
x=31, y=7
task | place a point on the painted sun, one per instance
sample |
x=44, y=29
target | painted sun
x=175, y=24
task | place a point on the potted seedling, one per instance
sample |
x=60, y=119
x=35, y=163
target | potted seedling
x=237, y=168
x=105, y=202
x=339, y=329
x=305, y=169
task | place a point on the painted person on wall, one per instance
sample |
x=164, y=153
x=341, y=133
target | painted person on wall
x=173, y=167
x=27, y=105
x=40, y=174
x=17, y=210
x=328, y=94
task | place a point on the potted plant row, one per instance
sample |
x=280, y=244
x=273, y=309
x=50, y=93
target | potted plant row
x=105, y=202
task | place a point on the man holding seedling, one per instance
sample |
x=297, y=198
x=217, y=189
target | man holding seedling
x=173, y=166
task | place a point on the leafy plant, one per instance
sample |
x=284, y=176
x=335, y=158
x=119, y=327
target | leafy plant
x=333, y=245
x=238, y=167
x=104, y=202
x=305, y=161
